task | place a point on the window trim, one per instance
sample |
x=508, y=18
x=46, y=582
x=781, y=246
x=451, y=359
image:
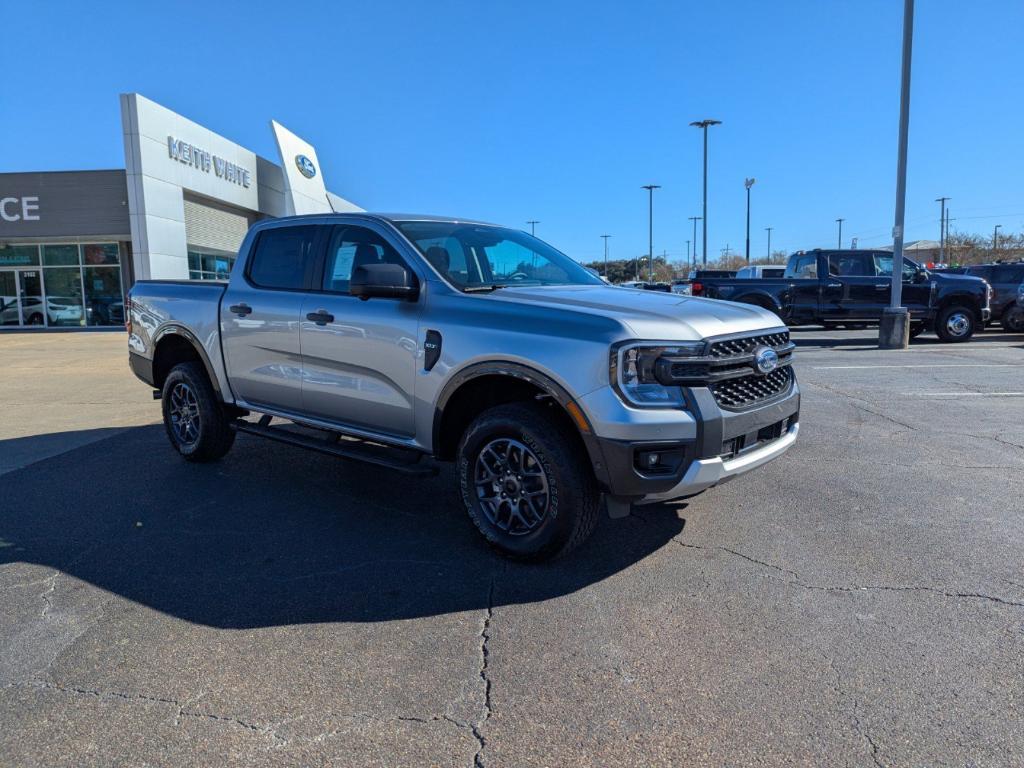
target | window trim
x=318, y=248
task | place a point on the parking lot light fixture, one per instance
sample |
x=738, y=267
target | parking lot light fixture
x=606, y=254
x=840, y=223
x=650, y=228
x=995, y=239
x=748, y=183
x=695, y=219
x=705, y=124
x=769, y=231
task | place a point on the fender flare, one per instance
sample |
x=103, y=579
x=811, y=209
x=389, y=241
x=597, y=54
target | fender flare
x=176, y=329
x=540, y=380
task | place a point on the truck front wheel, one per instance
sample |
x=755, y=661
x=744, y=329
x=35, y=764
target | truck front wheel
x=196, y=423
x=955, y=324
x=525, y=483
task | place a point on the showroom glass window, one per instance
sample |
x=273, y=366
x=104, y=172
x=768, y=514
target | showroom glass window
x=209, y=265
x=79, y=284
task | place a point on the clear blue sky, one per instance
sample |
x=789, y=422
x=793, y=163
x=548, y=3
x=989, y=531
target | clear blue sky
x=559, y=111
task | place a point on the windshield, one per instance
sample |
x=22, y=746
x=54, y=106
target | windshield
x=471, y=255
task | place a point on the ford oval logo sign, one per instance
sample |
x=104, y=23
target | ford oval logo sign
x=765, y=360
x=305, y=166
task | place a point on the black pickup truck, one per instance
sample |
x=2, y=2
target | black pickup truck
x=851, y=288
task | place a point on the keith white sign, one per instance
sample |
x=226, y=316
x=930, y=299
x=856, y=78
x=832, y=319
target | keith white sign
x=189, y=154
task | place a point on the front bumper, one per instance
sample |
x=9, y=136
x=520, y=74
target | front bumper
x=719, y=445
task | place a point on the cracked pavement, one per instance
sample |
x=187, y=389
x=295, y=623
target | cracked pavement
x=859, y=602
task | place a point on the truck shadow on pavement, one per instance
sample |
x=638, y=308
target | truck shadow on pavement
x=274, y=535
x=867, y=339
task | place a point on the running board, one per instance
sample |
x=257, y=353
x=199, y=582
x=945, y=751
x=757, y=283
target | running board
x=333, y=445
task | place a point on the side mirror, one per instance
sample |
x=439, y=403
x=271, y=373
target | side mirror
x=385, y=281
x=921, y=275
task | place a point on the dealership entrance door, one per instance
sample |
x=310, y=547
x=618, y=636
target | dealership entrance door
x=21, y=297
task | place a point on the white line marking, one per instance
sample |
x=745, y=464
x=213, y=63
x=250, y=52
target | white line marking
x=923, y=365
x=964, y=394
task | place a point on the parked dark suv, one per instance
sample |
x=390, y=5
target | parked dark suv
x=1005, y=277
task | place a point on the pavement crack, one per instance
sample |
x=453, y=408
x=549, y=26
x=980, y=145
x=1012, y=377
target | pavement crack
x=487, y=709
x=145, y=698
x=797, y=581
x=859, y=727
x=748, y=558
x=45, y=596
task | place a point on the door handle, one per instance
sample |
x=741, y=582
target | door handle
x=834, y=285
x=881, y=287
x=320, y=317
x=241, y=309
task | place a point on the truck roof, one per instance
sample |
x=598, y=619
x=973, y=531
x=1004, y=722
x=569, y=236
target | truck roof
x=388, y=217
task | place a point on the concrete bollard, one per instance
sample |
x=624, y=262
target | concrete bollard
x=894, y=329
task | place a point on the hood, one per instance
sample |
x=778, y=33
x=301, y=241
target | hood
x=948, y=277
x=651, y=315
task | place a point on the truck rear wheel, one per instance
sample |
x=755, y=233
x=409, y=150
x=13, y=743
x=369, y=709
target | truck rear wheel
x=955, y=324
x=525, y=483
x=196, y=423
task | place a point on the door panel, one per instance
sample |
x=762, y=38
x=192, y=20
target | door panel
x=260, y=315
x=30, y=285
x=359, y=357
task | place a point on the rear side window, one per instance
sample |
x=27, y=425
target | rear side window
x=283, y=257
x=1009, y=273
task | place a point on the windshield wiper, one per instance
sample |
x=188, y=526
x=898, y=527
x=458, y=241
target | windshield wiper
x=482, y=288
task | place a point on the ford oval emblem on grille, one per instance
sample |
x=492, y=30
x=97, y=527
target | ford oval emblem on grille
x=765, y=360
x=305, y=166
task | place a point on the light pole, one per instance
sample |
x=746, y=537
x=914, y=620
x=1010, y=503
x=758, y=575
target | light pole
x=748, y=183
x=840, y=223
x=942, y=229
x=650, y=227
x=695, y=219
x=894, y=328
x=687, y=253
x=769, y=231
x=995, y=239
x=606, y=254
x=705, y=124
x=533, y=226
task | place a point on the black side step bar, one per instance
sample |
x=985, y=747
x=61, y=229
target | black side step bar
x=333, y=445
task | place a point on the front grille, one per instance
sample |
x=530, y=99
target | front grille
x=746, y=391
x=734, y=347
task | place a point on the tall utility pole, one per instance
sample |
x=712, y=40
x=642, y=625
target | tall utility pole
x=894, y=328
x=942, y=229
x=705, y=124
x=769, y=231
x=695, y=219
x=995, y=239
x=606, y=254
x=533, y=226
x=840, y=223
x=650, y=226
x=748, y=183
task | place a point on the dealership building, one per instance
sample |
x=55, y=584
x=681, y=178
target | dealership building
x=73, y=242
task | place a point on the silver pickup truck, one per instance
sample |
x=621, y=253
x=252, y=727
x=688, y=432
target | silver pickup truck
x=406, y=340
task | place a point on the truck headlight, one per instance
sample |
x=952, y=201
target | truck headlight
x=632, y=373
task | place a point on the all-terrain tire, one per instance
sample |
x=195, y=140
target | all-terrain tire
x=548, y=456
x=196, y=422
x=955, y=324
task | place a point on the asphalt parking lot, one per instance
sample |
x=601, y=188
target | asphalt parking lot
x=858, y=602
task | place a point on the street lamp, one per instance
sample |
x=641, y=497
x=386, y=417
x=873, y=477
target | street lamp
x=606, y=254
x=533, y=226
x=650, y=226
x=769, y=231
x=748, y=183
x=894, y=328
x=705, y=124
x=695, y=219
x=840, y=223
x=995, y=239
x=942, y=229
